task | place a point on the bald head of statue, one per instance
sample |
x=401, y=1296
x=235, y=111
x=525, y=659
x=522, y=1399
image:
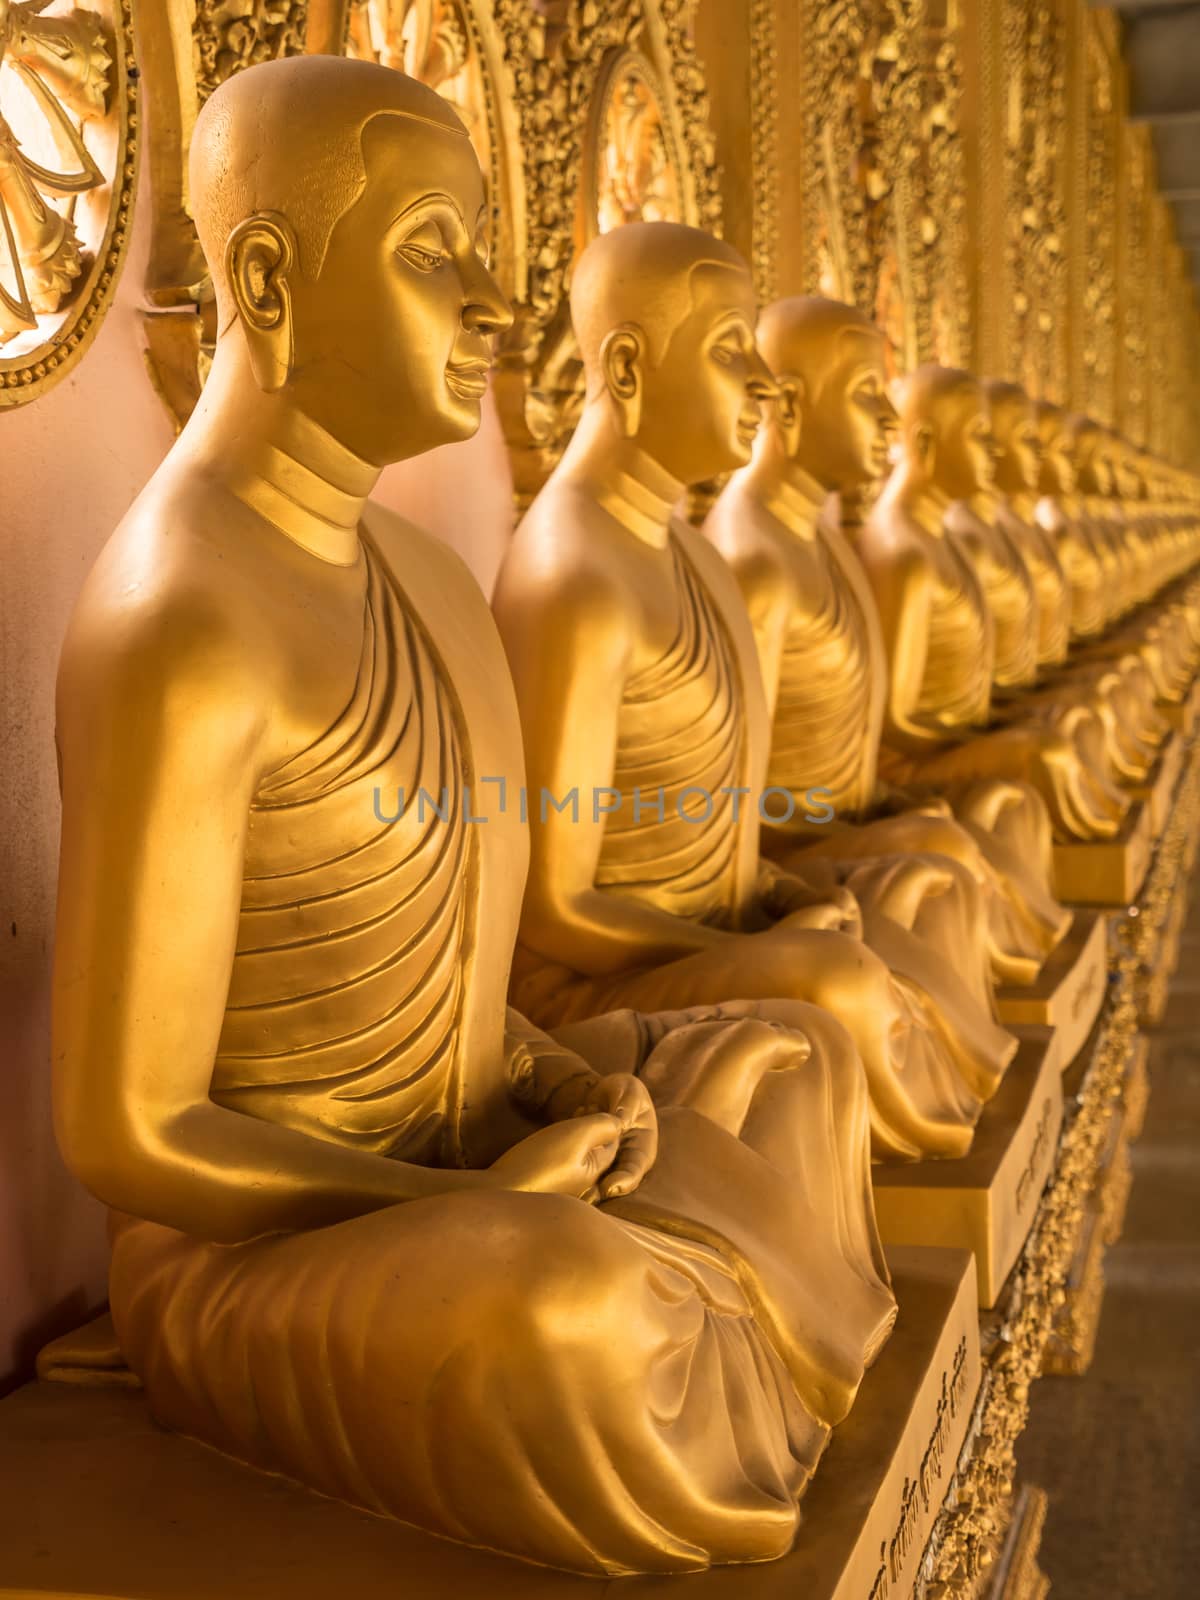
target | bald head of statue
x=833, y=416
x=945, y=429
x=341, y=210
x=1015, y=430
x=664, y=315
x=1057, y=471
x=1090, y=448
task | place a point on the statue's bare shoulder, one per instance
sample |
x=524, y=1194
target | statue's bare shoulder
x=197, y=610
x=561, y=558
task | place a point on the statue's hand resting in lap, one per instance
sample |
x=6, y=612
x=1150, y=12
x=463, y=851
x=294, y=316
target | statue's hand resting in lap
x=603, y=1133
x=572, y=1158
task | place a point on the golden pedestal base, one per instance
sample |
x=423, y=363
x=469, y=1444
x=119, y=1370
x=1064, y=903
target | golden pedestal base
x=1106, y=872
x=1150, y=934
x=1069, y=990
x=97, y=1501
x=986, y=1201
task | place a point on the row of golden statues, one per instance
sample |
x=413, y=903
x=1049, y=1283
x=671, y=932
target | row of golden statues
x=483, y=1028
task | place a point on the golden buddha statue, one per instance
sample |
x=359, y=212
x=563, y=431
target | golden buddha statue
x=637, y=679
x=1088, y=706
x=1059, y=514
x=821, y=651
x=938, y=633
x=1150, y=638
x=1017, y=467
x=373, y=1230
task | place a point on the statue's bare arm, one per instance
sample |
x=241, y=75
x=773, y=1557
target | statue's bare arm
x=569, y=645
x=162, y=731
x=903, y=600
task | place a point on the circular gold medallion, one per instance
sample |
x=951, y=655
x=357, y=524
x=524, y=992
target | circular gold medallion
x=67, y=167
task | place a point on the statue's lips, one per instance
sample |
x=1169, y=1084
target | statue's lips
x=748, y=427
x=468, y=379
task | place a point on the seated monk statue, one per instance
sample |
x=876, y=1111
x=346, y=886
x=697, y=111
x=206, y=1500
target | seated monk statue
x=821, y=651
x=1017, y=466
x=374, y=1230
x=1151, y=637
x=1126, y=698
x=1085, y=705
x=937, y=631
x=646, y=735
x=1059, y=514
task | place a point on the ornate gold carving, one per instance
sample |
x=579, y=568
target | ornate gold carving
x=933, y=205
x=232, y=34
x=860, y=58
x=886, y=188
x=1134, y=241
x=1033, y=195
x=1097, y=314
x=67, y=167
x=764, y=153
x=632, y=165
x=560, y=54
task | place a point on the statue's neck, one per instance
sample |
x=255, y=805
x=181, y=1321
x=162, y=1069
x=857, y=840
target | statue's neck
x=281, y=464
x=793, y=496
x=630, y=485
x=924, y=500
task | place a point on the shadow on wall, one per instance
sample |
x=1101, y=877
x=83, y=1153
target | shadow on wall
x=73, y=463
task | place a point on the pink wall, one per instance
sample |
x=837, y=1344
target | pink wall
x=72, y=463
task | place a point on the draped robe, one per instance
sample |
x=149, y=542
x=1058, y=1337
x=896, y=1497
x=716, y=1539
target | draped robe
x=682, y=739
x=643, y=1386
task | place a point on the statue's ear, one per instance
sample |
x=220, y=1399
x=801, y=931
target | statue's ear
x=258, y=258
x=789, y=410
x=621, y=357
x=923, y=444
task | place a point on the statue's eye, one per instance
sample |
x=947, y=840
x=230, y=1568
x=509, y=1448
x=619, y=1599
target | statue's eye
x=726, y=354
x=422, y=256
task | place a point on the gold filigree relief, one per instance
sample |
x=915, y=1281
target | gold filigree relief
x=67, y=167
x=1034, y=195
x=860, y=58
x=561, y=54
x=1097, y=314
x=232, y=34
x=632, y=167
x=1134, y=245
x=764, y=135
x=886, y=190
x=932, y=205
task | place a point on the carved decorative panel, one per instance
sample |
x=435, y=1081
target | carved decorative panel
x=67, y=169
x=1097, y=313
x=232, y=34
x=1135, y=192
x=862, y=63
x=1034, y=163
x=886, y=198
x=764, y=133
x=613, y=125
x=632, y=169
x=931, y=200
